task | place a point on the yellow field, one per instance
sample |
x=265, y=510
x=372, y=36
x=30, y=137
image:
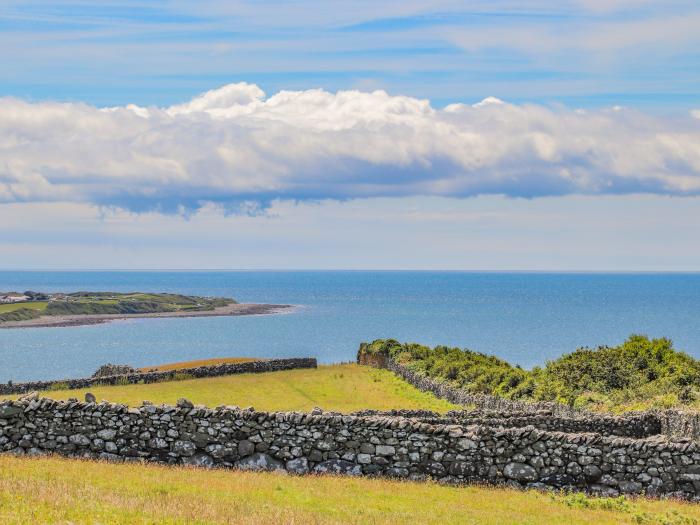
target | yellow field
x=200, y=362
x=344, y=388
x=72, y=491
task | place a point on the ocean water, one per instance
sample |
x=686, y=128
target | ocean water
x=526, y=318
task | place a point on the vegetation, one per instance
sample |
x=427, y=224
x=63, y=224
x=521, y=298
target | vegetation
x=200, y=362
x=91, y=303
x=639, y=373
x=19, y=314
x=343, y=388
x=53, y=490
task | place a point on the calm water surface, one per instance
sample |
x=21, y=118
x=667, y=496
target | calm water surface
x=526, y=318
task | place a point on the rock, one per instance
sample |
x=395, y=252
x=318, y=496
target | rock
x=107, y=434
x=114, y=370
x=184, y=403
x=200, y=459
x=603, y=490
x=90, y=398
x=338, y=466
x=30, y=396
x=298, y=466
x=259, y=461
x=184, y=448
x=558, y=480
x=79, y=440
x=246, y=448
x=520, y=472
x=592, y=472
x=7, y=411
x=396, y=472
x=630, y=487
x=385, y=450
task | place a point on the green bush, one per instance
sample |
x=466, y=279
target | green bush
x=640, y=369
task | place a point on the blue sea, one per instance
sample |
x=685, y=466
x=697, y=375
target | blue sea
x=526, y=318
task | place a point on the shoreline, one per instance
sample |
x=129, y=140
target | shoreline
x=62, y=321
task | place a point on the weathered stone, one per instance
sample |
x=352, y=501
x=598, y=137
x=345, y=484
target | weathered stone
x=90, y=398
x=298, y=466
x=338, y=466
x=246, y=448
x=259, y=461
x=520, y=472
x=184, y=448
x=200, y=459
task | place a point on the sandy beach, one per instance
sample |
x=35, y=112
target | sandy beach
x=57, y=321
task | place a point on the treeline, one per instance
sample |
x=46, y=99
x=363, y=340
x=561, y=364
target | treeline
x=639, y=373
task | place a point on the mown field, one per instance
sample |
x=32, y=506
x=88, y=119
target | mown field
x=345, y=388
x=53, y=490
x=11, y=307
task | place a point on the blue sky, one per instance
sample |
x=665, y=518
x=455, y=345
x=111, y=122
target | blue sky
x=370, y=134
x=585, y=53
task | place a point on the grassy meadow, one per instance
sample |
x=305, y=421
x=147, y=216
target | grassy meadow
x=12, y=307
x=55, y=490
x=344, y=388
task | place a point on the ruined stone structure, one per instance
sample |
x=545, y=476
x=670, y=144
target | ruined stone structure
x=265, y=365
x=413, y=445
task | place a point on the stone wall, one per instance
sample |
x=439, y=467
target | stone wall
x=266, y=365
x=493, y=410
x=385, y=445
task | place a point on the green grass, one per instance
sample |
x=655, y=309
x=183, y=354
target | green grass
x=38, y=305
x=53, y=490
x=344, y=388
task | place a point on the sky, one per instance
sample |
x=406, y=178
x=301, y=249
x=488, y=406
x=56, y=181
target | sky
x=468, y=135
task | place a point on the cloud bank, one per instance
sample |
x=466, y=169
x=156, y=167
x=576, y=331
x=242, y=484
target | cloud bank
x=239, y=148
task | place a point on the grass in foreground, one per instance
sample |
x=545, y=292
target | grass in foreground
x=199, y=362
x=344, y=388
x=53, y=490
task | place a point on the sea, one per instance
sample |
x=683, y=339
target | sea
x=526, y=318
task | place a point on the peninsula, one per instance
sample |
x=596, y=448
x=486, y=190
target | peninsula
x=38, y=309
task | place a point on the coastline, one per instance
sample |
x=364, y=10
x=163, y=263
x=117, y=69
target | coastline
x=61, y=321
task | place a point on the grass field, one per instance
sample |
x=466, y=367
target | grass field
x=53, y=490
x=200, y=362
x=345, y=388
x=38, y=305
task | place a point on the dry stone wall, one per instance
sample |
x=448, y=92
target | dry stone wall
x=384, y=445
x=493, y=410
x=266, y=365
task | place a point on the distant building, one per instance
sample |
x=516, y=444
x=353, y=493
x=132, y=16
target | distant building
x=13, y=297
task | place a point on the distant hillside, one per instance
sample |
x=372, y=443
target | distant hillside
x=91, y=303
x=639, y=373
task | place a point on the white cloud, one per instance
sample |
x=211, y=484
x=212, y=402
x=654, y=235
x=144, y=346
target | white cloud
x=235, y=146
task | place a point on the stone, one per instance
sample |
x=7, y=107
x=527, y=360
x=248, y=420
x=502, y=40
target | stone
x=107, y=434
x=298, y=466
x=245, y=448
x=630, y=487
x=385, y=450
x=592, y=472
x=338, y=466
x=364, y=459
x=558, y=480
x=7, y=411
x=184, y=448
x=79, y=440
x=520, y=472
x=200, y=459
x=184, y=403
x=90, y=397
x=259, y=461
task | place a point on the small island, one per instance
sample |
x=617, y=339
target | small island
x=37, y=309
